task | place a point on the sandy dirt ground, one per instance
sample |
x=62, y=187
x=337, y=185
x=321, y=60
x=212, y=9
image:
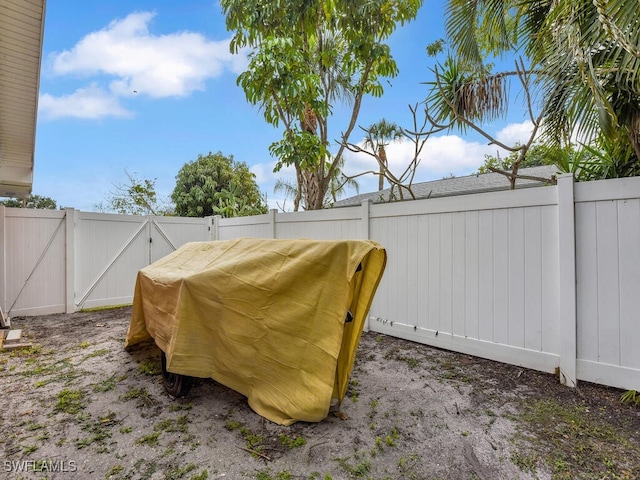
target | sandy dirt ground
x=78, y=405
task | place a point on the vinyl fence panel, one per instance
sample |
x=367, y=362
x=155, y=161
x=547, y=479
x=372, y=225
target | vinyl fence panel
x=608, y=281
x=33, y=258
x=547, y=278
x=472, y=279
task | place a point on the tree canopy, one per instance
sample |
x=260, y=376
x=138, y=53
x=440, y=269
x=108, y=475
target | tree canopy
x=32, y=201
x=217, y=185
x=582, y=62
x=305, y=56
x=137, y=196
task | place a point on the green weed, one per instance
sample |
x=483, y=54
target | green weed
x=574, y=440
x=108, y=384
x=177, y=473
x=289, y=442
x=26, y=351
x=358, y=470
x=70, y=401
x=149, y=367
x=97, y=353
x=115, y=470
x=267, y=475
x=175, y=407
x=150, y=440
x=232, y=425
x=200, y=476
x=27, y=449
x=143, y=397
x=98, y=430
x=631, y=397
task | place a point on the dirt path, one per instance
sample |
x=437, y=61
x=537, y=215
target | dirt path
x=77, y=405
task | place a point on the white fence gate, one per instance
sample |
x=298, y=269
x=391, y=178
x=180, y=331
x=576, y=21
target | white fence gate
x=547, y=278
x=63, y=261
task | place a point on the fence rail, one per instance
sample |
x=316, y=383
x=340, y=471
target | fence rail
x=546, y=278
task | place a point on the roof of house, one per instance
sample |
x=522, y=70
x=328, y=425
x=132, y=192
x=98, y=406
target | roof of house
x=21, y=31
x=476, y=183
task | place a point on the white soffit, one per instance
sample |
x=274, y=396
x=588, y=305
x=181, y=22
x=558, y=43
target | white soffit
x=21, y=31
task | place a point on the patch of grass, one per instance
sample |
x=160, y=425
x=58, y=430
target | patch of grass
x=631, y=397
x=353, y=392
x=115, y=470
x=99, y=430
x=63, y=364
x=267, y=475
x=392, y=438
x=27, y=449
x=34, y=426
x=373, y=408
x=149, y=367
x=179, y=472
x=254, y=442
x=107, y=307
x=379, y=443
x=70, y=401
x=574, y=441
x=108, y=383
x=125, y=430
x=316, y=476
x=526, y=463
x=150, y=440
x=35, y=349
x=143, y=397
x=407, y=466
x=176, y=407
x=358, y=470
x=84, y=344
x=232, y=425
x=97, y=353
x=200, y=476
x=289, y=442
x=170, y=425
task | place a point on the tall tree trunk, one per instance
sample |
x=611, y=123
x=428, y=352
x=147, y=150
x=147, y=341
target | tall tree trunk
x=382, y=158
x=313, y=180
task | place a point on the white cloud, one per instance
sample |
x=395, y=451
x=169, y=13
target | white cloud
x=440, y=156
x=91, y=102
x=136, y=61
x=266, y=179
x=515, y=133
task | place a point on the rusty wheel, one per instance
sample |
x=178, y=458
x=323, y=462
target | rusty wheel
x=175, y=384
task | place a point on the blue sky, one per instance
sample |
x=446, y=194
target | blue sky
x=146, y=86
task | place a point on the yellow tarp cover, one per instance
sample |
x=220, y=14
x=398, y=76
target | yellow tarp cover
x=263, y=317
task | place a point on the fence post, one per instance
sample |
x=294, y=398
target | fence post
x=208, y=222
x=3, y=260
x=272, y=221
x=70, y=259
x=365, y=211
x=214, y=227
x=567, y=278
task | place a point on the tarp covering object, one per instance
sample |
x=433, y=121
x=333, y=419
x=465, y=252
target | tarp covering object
x=266, y=318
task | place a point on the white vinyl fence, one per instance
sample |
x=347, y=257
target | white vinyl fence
x=63, y=261
x=547, y=278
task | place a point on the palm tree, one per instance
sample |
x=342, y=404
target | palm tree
x=585, y=59
x=378, y=137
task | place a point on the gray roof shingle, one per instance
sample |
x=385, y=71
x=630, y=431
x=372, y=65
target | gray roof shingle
x=476, y=183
